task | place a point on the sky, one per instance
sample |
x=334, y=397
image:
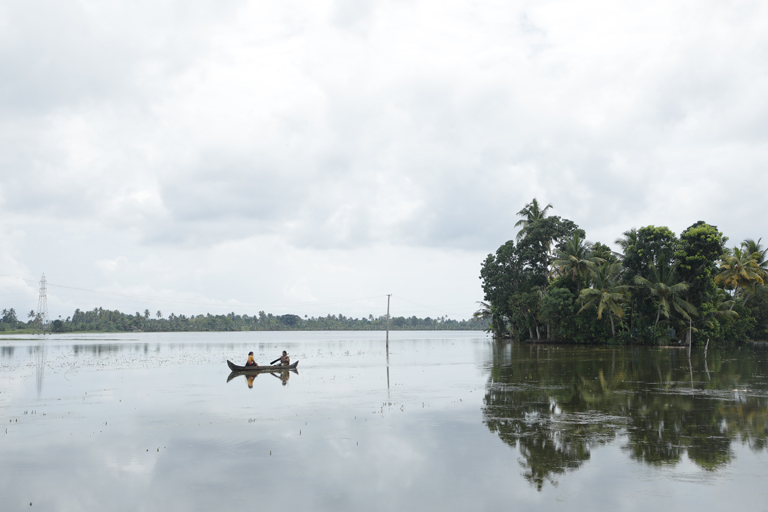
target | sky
x=311, y=157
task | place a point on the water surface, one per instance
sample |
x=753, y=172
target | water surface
x=443, y=420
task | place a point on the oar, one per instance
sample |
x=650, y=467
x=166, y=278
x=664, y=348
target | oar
x=276, y=360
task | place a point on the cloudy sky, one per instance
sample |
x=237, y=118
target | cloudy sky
x=310, y=157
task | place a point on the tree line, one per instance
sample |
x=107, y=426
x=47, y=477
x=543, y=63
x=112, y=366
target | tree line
x=550, y=283
x=105, y=320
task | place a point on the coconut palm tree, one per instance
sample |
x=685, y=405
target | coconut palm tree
x=756, y=249
x=759, y=254
x=663, y=286
x=576, y=259
x=606, y=293
x=741, y=272
x=628, y=239
x=486, y=311
x=723, y=308
x=531, y=213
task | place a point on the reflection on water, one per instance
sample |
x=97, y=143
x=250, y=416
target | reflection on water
x=283, y=376
x=40, y=366
x=149, y=422
x=556, y=404
x=110, y=348
x=389, y=397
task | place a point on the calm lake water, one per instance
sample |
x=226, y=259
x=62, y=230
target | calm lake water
x=444, y=421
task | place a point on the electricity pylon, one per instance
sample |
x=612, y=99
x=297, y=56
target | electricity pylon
x=41, y=322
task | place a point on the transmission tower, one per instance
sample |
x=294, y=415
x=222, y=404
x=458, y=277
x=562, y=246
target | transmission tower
x=41, y=322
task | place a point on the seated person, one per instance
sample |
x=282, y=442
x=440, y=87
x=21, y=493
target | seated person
x=250, y=361
x=284, y=359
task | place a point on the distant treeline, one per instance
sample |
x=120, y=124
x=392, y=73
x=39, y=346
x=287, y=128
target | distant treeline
x=100, y=319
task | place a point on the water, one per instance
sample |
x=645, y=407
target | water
x=453, y=422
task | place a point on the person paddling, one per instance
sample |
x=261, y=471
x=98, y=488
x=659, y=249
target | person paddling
x=284, y=359
x=251, y=361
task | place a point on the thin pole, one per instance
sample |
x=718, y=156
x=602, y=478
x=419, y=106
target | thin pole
x=705, y=359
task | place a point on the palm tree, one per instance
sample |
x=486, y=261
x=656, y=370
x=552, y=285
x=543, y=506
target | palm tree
x=756, y=249
x=740, y=271
x=759, y=254
x=628, y=240
x=486, y=311
x=576, y=259
x=531, y=213
x=723, y=308
x=663, y=287
x=606, y=293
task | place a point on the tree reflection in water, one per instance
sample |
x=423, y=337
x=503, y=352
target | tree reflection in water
x=555, y=404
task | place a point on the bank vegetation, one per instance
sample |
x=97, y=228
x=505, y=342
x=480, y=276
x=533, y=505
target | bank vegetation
x=551, y=284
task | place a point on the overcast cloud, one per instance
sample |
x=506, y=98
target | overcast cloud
x=310, y=157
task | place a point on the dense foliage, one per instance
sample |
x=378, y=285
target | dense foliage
x=115, y=321
x=552, y=284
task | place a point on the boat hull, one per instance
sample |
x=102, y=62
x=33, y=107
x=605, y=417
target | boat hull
x=279, y=368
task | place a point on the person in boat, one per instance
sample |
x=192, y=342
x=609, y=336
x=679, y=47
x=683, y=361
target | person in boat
x=251, y=361
x=284, y=359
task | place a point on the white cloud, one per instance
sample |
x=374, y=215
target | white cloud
x=288, y=133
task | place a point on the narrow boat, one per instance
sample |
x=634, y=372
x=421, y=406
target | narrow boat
x=279, y=368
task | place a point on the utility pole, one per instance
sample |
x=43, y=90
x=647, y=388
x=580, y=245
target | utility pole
x=41, y=322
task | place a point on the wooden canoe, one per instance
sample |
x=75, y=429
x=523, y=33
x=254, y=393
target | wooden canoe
x=279, y=368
